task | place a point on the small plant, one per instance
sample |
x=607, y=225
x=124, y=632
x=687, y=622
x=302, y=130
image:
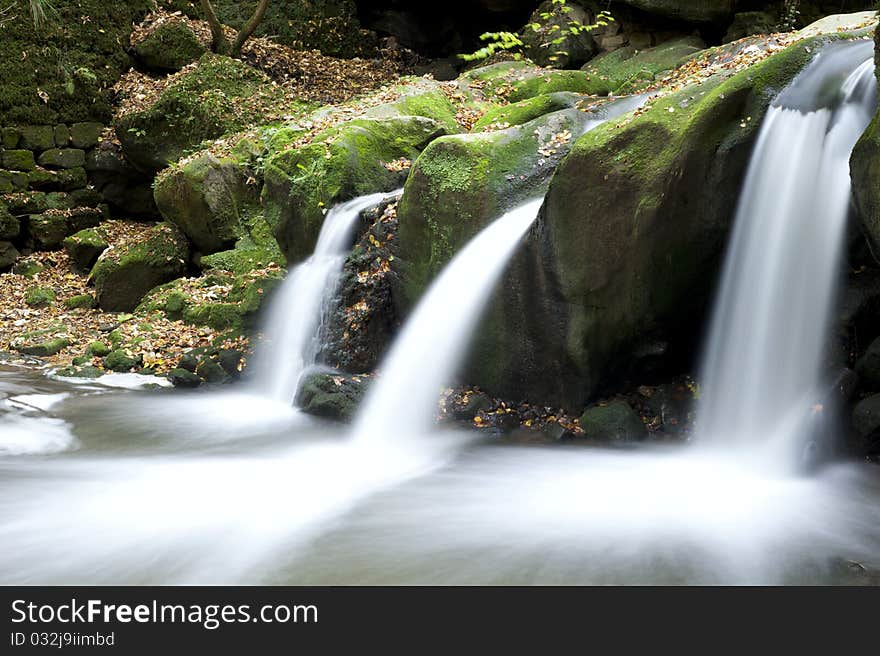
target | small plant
x=552, y=24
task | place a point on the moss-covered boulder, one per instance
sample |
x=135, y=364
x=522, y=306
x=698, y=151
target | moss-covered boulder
x=17, y=160
x=49, y=229
x=122, y=361
x=629, y=238
x=84, y=248
x=518, y=80
x=126, y=272
x=461, y=182
x=343, y=162
x=169, y=47
x=331, y=396
x=208, y=199
x=217, y=96
x=81, y=302
x=517, y=113
x=612, y=422
x=626, y=70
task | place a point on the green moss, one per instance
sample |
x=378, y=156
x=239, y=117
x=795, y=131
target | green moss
x=99, y=349
x=44, y=349
x=80, y=372
x=80, y=301
x=121, y=360
x=626, y=70
x=73, y=60
x=416, y=100
x=220, y=316
x=218, y=96
x=17, y=160
x=40, y=297
x=526, y=110
x=170, y=47
x=519, y=80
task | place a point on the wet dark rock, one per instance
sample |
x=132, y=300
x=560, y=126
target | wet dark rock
x=331, y=396
x=614, y=422
x=183, y=378
x=210, y=371
x=472, y=405
x=868, y=367
x=8, y=255
x=866, y=416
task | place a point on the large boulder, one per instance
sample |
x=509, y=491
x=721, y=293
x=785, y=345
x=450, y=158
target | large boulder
x=169, y=47
x=518, y=80
x=216, y=96
x=340, y=163
x=207, y=198
x=629, y=237
x=626, y=69
x=612, y=422
x=126, y=272
x=461, y=182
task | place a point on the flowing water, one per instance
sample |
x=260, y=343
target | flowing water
x=763, y=378
x=295, y=316
x=122, y=486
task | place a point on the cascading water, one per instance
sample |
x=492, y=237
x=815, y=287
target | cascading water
x=294, y=323
x=428, y=351
x=763, y=374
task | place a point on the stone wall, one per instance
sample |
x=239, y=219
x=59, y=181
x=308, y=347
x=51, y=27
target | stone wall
x=58, y=179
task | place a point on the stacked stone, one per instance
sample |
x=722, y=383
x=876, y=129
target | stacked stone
x=45, y=193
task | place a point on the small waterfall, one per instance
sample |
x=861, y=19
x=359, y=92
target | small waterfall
x=294, y=323
x=763, y=370
x=430, y=348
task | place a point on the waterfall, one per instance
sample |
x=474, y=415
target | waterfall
x=763, y=368
x=295, y=316
x=430, y=348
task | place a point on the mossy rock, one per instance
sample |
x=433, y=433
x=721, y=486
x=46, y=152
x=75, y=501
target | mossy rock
x=170, y=47
x=527, y=110
x=208, y=198
x=613, y=422
x=84, y=248
x=37, y=137
x=518, y=80
x=80, y=301
x=220, y=316
x=331, y=396
x=63, y=180
x=9, y=225
x=629, y=239
x=122, y=361
x=85, y=134
x=28, y=269
x=126, y=272
x=41, y=343
x=77, y=371
x=217, y=96
x=182, y=378
x=62, y=158
x=37, y=202
x=242, y=259
x=626, y=70
x=341, y=163
x=98, y=348
x=460, y=183
x=422, y=98
x=18, y=160
x=47, y=230
x=40, y=297
x=73, y=60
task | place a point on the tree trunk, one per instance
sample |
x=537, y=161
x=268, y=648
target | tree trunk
x=249, y=27
x=219, y=44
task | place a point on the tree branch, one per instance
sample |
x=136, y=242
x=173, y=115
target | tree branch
x=219, y=44
x=249, y=27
